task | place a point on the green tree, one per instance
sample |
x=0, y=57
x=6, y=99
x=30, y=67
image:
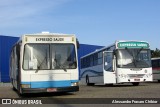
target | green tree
x=155, y=53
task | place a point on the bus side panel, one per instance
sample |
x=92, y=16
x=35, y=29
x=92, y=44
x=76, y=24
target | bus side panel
x=95, y=74
x=156, y=74
x=13, y=68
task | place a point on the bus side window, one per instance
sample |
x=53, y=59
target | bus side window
x=154, y=63
x=158, y=62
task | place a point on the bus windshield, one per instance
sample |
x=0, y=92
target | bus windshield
x=133, y=58
x=49, y=56
x=63, y=56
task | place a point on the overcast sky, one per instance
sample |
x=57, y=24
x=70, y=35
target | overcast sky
x=96, y=22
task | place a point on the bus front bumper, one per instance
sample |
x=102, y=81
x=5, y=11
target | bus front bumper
x=44, y=90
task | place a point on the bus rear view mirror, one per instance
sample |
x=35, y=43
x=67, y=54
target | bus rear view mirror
x=77, y=43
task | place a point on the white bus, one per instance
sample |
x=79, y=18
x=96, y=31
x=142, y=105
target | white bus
x=45, y=62
x=122, y=62
x=156, y=68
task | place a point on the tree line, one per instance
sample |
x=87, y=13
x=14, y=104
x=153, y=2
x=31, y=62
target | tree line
x=155, y=53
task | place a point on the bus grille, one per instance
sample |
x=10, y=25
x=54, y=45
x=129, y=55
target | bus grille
x=136, y=75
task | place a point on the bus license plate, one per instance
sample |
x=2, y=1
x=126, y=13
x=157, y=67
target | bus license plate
x=51, y=89
x=136, y=79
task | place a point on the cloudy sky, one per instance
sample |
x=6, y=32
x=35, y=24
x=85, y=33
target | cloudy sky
x=96, y=22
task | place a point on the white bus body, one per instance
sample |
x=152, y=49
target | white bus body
x=156, y=68
x=45, y=62
x=122, y=62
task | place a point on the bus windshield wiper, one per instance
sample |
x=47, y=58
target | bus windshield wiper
x=38, y=68
x=59, y=65
x=62, y=67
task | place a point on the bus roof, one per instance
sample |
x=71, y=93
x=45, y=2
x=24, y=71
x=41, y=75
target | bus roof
x=130, y=41
x=98, y=50
x=47, y=33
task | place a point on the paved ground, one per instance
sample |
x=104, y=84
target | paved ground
x=144, y=90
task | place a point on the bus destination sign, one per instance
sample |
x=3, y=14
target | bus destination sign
x=133, y=45
x=49, y=39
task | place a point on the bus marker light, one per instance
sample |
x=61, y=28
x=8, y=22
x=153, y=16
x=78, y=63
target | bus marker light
x=74, y=84
x=25, y=85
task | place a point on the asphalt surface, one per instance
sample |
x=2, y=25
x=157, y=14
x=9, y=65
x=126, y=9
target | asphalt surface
x=144, y=90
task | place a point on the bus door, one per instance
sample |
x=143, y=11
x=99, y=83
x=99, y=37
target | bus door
x=108, y=67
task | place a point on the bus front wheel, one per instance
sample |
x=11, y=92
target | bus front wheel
x=13, y=85
x=87, y=81
x=135, y=83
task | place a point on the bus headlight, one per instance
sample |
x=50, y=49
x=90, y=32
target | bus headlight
x=25, y=85
x=75, y=84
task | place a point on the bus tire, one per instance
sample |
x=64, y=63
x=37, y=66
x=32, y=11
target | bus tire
x=19, y=89
x=20, y=92
x=14, y=89
x=87, y=81
x=159, y=81
x=135, y=83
